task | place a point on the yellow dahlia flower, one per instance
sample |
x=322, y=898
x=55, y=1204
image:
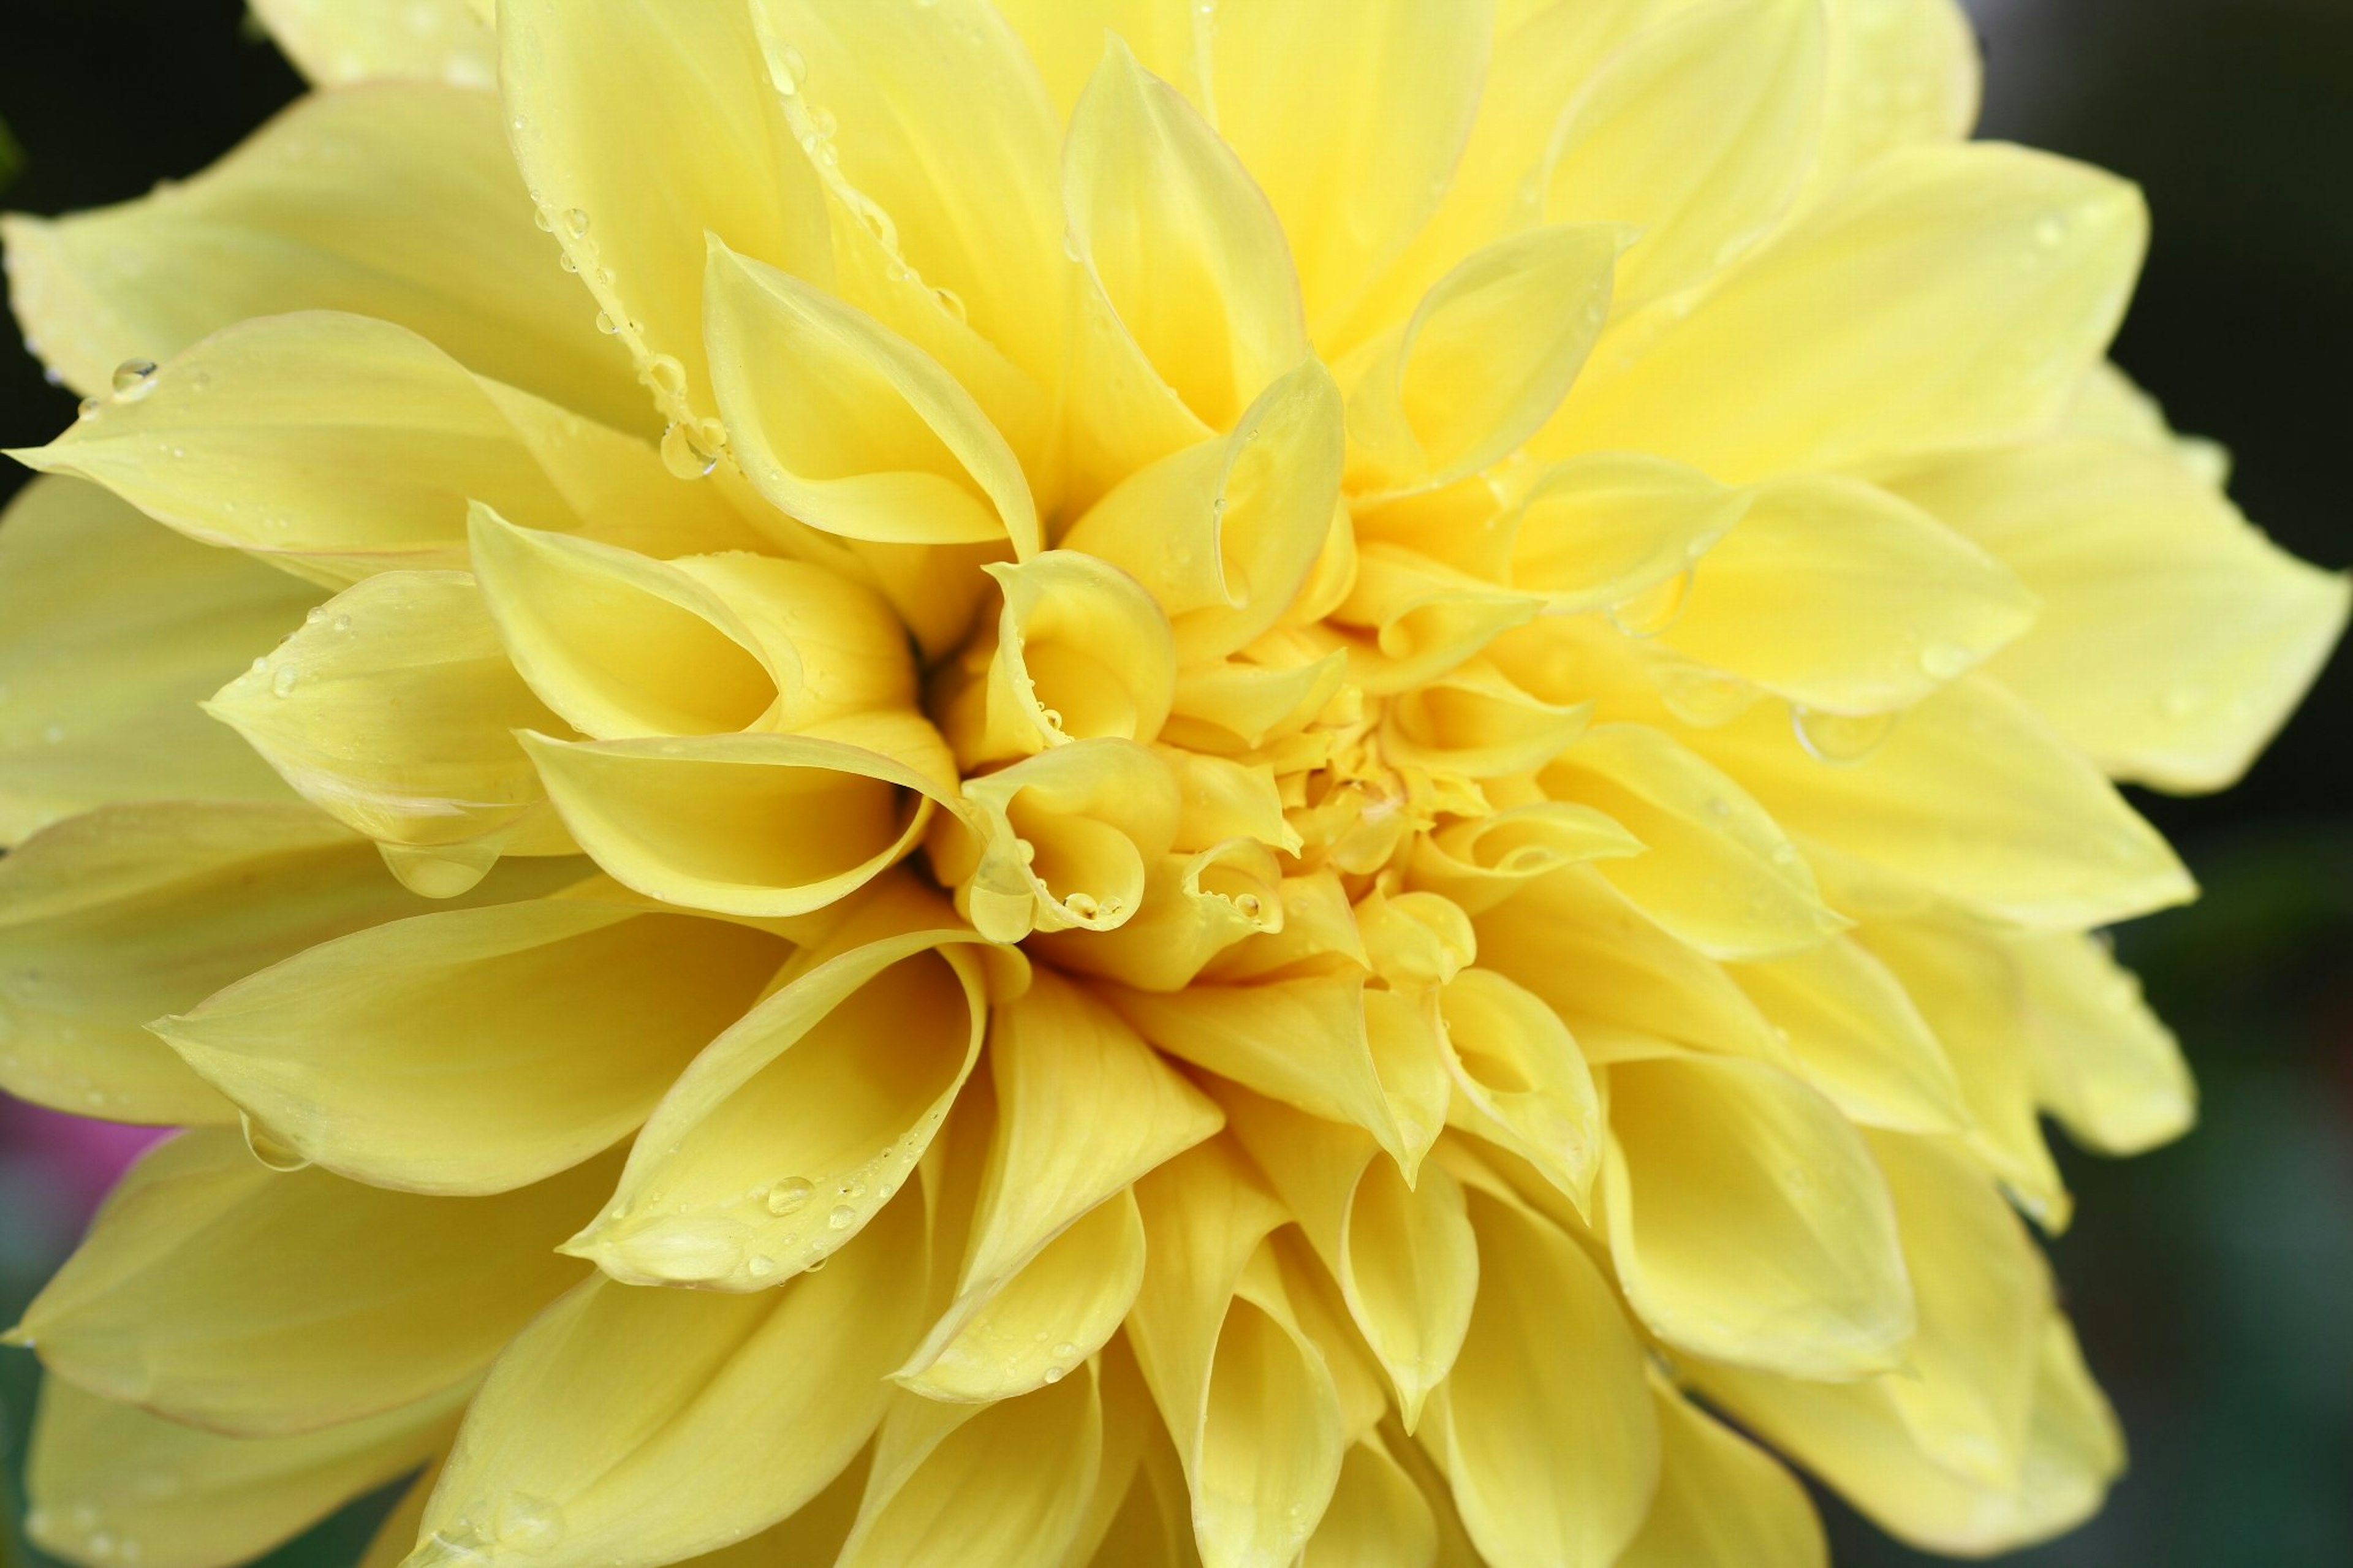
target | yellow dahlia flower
x=1113, y=782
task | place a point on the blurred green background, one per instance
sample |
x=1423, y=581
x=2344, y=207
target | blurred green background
x=2214, y=1281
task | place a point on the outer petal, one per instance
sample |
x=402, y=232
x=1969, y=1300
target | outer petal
x=130, y=911
x=1747, y=1221
x=1723, y=1501
x=1190, y=307
x=2016, y=267
x=397, y=201
x=936, y=121
x=999, y=1486
x=363, y=40
x=393, y=710
x=1698, y=135
x=1404, y=1257
x=475, y=1050
x=2174, y=639
x=296, y=1301
x=1246, y=1394
x=1085, y=1109
x=237, y=1497
x=1848, y=1434
x=848, y=426
x=1971, y=797
x=751, y=824
x=1859, y=1037
x=336, y=445
x=1716, y=871
x=643, y=1426
x=2103, y=1064
x=1901, y=73
x=1842, y=598
x=1353, y=152
x=1519, y=1079
x=595, y=93
x=116, y=630
x=794, y=1129
x=1545, y=1429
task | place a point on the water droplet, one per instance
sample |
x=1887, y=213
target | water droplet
x=760, y=1265
x=1654, y=609
x=1840, y=739
x=606, y=324
x=342, y=622
x=316, y=614
x=1051, y=718
x=54, y=736
x=1081, y=906
x=683, y=453
x=1703, y=696
x=134, y=379
x=795, y=70
x=271, y=1150
x=1943, y=660
x=1248, y=905
x=842, y=1217
x=1027, y=850
x=2181, y=701
x=529, y=1524
x=790, y=1195
x=1066, y=1350
x=283, y=684
x=665, y=376
x=545, y=220
x=2051, y=232
x=951, y=301
x=569, y=263
x=575, y=223
x=1055, y=1373
x=87, y=406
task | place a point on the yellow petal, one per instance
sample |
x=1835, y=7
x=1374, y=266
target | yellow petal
x=135, y=910
x=1478, y=862
x=793, y=1129
x=378, y=40
x=1028, y=1329
x=621, y=645
x=2103, y=1064
x=1575, y=941
x=475, y=1050
x=1473, y=721
x=336, y=445
x=751, y=824
x=1195, y=907
x=1065, y=38
x=1083, y=652
x=1519, y=1079
x=1858, y=1037
x=1189, y=309
x=1004, y=1484
x=2174, y=639
x=116, y=630
x=941, y=123
x=1403, y=1258
x=297, y=1301
x=1237, y=707
x=1967, y=1390
x=1066, y=837
x=1900, y=73
x=397, y=1532
x=1308, y=1042
x=2016, y=266
x=596, y=101
x=1545, y=1429
x=1426, y=617
x=811, y=1536
x=1606, y=528
x=90, y=1470
x=1843, y=597
x=1747, y=1221
x=1848, y=1434
x=1969, y=795
x=1722, y=1502
x=1353, y=154
x=1085, y=1108
x=1378, y=1518
x=400, y=202
x=848, y=427
x=393, y=710
x=1244, y=1393
x=1716, y=871
x=1970, y=989
x=1697, y=135
x=638, y=1427
x=1225, y=532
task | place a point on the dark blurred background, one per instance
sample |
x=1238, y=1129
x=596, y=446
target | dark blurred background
x=2214, y=1281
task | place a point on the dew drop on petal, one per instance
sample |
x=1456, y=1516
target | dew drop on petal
x=134, y=379
x=1840, y=739
x=842, y=1217
x=790, y=1195
x=1654, y=609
